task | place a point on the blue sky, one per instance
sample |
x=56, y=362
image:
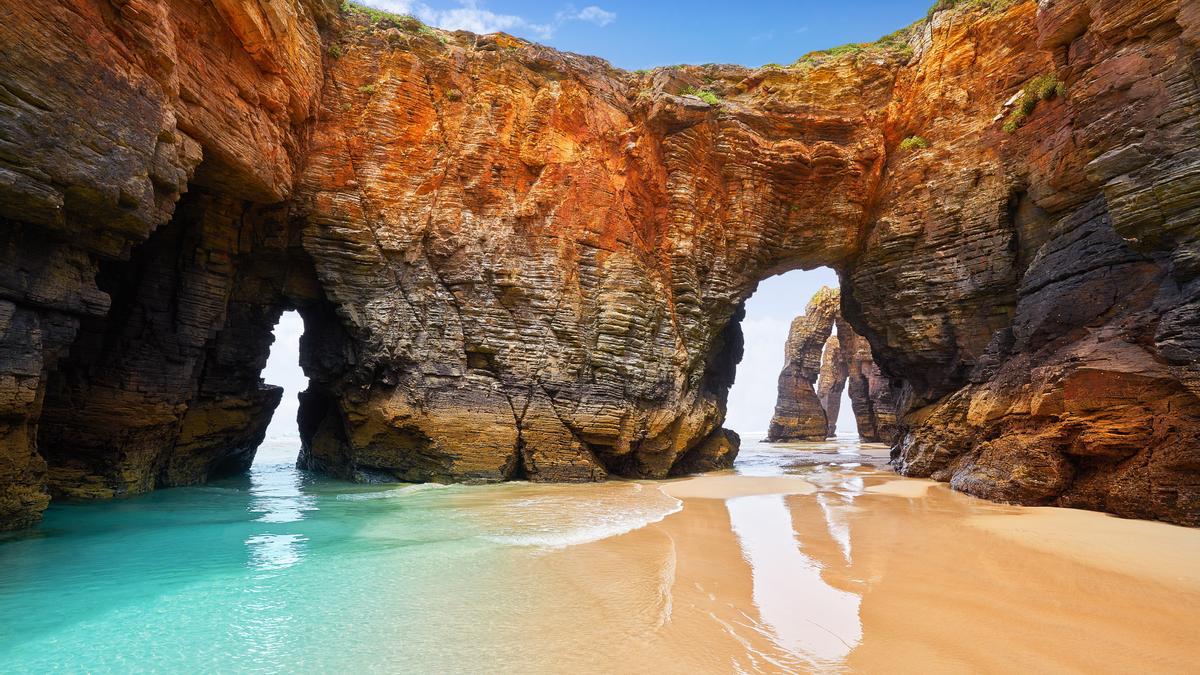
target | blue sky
x=647, y=33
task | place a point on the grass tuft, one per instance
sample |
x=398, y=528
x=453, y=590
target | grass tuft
x=1040, y=88
x=894, y=43
x=385, y=19
x=985, y=5
x=914, y=143
x=702, y=94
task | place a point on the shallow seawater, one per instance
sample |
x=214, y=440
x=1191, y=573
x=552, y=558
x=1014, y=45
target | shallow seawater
x=808, y=557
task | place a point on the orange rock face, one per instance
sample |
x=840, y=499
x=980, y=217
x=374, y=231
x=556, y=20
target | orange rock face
x=110, y=111
x=518, y=263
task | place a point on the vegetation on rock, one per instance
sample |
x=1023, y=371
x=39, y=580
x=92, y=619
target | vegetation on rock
x=1040, y=88
x=914, y=143
x=702, y=94
x=895, y=43
x=385, y=19
x=986, y=5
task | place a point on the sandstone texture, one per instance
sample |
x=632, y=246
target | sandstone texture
x=516, y=263
x=822, y=355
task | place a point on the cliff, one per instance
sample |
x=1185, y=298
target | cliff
x=519, y=263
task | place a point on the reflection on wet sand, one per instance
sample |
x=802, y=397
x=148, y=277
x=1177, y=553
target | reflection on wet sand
x=805, y=615
x=865, y=572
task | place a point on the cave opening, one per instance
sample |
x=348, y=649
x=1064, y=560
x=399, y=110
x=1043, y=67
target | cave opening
x=769, y=314
x=282, y=441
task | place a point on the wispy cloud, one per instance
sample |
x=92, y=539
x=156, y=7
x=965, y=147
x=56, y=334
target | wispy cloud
x=589, y=14
x=763, y=37
x=470, y=15
x=802, y=29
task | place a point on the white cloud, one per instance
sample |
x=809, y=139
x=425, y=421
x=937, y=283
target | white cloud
x=397, y=6
x=594, y=14
x=471, y=16
x=474, y=18
x=802, y=29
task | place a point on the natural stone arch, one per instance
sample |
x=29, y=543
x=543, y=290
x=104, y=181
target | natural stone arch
x=165, y=389
x=553, y=254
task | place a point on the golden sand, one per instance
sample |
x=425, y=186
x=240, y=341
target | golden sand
x=833, y=573
x=911, y=488
x=1167, y=554
x=729, y=486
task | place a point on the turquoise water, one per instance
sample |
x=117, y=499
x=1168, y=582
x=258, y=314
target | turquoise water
x=280, y=571
x=283, y=572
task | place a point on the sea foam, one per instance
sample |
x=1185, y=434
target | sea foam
x=580, y=516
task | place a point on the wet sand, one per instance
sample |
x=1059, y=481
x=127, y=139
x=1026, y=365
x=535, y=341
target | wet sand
x=845, y=567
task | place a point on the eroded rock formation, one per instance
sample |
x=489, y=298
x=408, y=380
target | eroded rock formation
x=874, y=397
x=810, y=396
x=799, y=411
x=514, y=262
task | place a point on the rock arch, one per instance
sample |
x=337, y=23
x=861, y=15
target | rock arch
x=523, y=263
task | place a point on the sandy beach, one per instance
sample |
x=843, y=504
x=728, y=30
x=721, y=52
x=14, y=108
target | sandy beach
x=847, y=567
x=808, y=557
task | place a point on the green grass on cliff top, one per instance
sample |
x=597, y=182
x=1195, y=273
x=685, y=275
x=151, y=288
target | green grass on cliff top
x=986, y=5
x=405, y=22
x=898, y=42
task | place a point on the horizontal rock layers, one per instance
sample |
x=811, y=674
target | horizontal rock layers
x=1037, y=290
x=518, y=263
x=818, y=363
x=134, y=319
x=800, y=413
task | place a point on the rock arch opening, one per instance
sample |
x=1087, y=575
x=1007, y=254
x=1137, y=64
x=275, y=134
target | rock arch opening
x=769, y=313
x=282, y=440
x=539, y=271
x=165, y=389
x=827, y=378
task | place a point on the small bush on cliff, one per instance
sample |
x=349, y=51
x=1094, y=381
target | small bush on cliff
x=373, y=15
x=914, y=143
x=335, y=51
x=367, y=89
x=986, y=5
x=378, y=17
x=702, y=94
x=895, y=43
x=1040, y=88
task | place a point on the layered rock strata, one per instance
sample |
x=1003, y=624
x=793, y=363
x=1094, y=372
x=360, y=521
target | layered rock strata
x=800, y=413
x=131, y=330
x=810, y=396
x=518, y=263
